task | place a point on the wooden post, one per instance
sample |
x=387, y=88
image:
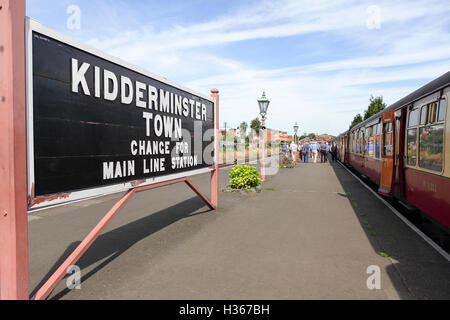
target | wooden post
x=13, y=157
x=215, y=172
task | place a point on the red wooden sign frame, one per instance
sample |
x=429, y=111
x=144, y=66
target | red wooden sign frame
x=14, y=273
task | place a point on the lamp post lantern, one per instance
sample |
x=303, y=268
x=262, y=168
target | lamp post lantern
x=263, y=106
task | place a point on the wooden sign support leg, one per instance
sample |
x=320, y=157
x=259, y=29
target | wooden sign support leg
x=59, y=274
x=13, y=165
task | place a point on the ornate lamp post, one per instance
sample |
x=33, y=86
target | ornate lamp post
x=295, y=130
x=263, y=106
x=297, y=154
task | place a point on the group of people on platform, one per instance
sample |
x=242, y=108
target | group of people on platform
x=313, y=151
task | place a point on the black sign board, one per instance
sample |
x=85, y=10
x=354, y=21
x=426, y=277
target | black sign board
x=98, y=122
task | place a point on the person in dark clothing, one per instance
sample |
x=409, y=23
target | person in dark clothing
x=334, y=151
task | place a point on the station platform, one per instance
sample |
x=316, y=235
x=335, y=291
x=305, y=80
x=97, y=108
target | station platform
x=311, y=233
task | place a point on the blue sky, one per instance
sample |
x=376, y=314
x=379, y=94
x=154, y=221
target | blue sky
x=318, y=61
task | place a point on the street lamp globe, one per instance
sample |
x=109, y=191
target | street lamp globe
x=263, y=105
x=296, y=127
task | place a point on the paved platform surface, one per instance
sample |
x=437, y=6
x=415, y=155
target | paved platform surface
x=305, y=238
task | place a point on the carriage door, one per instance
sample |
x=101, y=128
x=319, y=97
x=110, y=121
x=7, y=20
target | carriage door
x=344, y=148
x=400, y=116
x=388, y=167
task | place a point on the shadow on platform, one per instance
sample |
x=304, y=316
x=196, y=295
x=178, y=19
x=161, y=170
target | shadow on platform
x=112, y=244
x=417, y=271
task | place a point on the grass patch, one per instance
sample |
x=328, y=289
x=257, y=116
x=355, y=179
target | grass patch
x=373, y=234
x=368, y=227
x=362, y=215
x=384, y=254
x=366, y=223
x=269, y=189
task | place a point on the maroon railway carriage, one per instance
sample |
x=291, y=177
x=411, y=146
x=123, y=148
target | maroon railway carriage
x=341, y=141
x=405, y=150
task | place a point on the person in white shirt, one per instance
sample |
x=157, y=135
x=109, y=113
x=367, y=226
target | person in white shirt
x=315, y=150
x=293, y=147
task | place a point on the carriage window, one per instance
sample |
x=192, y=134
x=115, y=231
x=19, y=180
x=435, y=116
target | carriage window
x=371, y=147
x=432, y=114
x=388, y=127
x=387, y=143
x=431, y=146
x=413, y=118
x=377, y=148
x=423, y=115
x=358, y=142
x=351, y=142
x=361, y=141
x=366, y=145
x=372, y=141
x=442, y=107
x=354, y=142
x=411, y=144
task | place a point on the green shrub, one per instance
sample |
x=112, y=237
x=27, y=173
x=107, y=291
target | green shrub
x=244, y=177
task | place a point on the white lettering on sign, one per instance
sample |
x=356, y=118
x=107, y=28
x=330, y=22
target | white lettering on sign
x=184, y=162
x=145, y=96
x=118, y=169
x=97, y=82
x=147, y=116
x=154, y=165
x=111, y=87
x=149, y=148
x=126, y=85
x=163, y=100
x=152, y=97
x=140, y=89
x=78, y=77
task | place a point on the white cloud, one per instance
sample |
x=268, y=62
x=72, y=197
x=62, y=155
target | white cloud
x=411, y=44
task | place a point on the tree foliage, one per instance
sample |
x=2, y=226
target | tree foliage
x=303, y=136
x=376, y=105
x=243, y=128
x=255, y=125
x=307, y=135
x=357, y=119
